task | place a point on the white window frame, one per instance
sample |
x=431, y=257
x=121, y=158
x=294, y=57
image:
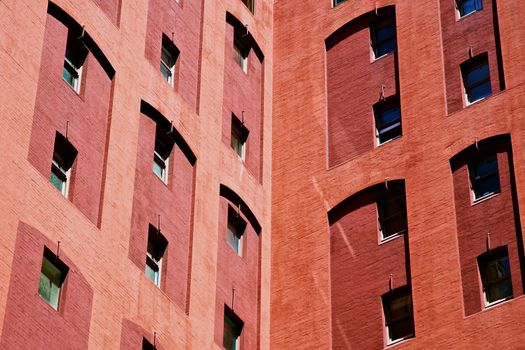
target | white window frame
x=158, y=264
x=67, y=176
x=171, y=69
x=165, y=169
x=78, y=79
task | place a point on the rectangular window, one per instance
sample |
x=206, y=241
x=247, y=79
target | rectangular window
x=249, y=4
x=476, y=78
x=168, y=57
x=157, y=244
x=484, y=177
x=383, y=37
x=240, y=54
x=392, y=214
x=399, y=320
x=239, y=136
x=64, y=155
x=337, y=2
x=388, y=120
x=74, y=59
x=466, y=7
x=52, y=275
x=235, y=230
x=494, y=268
x=233, y=325
x=163, y=147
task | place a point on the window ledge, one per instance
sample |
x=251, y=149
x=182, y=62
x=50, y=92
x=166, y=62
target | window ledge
x=484, y=198
x=392, y=139
x=400, y=341
x=468, y=104
x=392, y=237
x=467, y=15
x=375, y=59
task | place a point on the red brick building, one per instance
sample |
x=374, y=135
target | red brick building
x=256, y=174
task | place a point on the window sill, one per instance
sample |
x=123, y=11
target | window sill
x=392, y=237
x=375, y=59
x=498, y=302
x=386, y=142
x=400, y=341
x=485, y=198
x=460, y=18
x=468, y=104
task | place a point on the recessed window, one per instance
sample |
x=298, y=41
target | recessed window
x=64, y=155
x=146, y=345
x=74, y=59
x=484, y=177
x=157, y=244
x=161, y=154
x=388, y=120
x=392, y=213
x=476, y=79
x=466, y=7
x=239, y=136
x=240, y=54
x=249, y=4
x=235, y=230
x=494, y=268
x=52, y=275
x=337, y=2
x=383, y=37
x=399, y=320
x=168, y=57
x=233, y=325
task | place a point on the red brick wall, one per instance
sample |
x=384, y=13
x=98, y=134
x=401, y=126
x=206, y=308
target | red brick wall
x=477, y=31
x=183, y=19
x=87, y=113
x=354, y=82
x=241, y=273
x=494, y=215
x=360, y=268
x=173, y=202
x=132, y=335
x=111, y=8
x=243, y=92
x=30, y=322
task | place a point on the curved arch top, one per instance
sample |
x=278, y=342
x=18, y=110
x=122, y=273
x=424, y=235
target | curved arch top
x=247, y=37
x=163, y=122
x=233, y=197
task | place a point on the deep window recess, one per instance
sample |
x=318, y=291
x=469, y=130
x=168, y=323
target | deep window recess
x=161, y=154
x=64, y=155
x=383, y=37
x=146, y=345
x=240, y=54
x=168, y=57
x=399, y=320
x=249, y=4
x=235, y=230
x=52, y=275
x=476, y=78
x=392, y=214
x=494, y=268
x=484, y=177
x=338, y=2
x=388, y=120
x=239, y=136
x=74, y=59
x=233, y=325
x=466, y=7
x=157, y=244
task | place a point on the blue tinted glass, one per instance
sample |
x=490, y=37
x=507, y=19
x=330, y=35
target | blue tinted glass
x=470, y=6
x=488, y=185
x=385, y=47
x=487, y=166
x=385, y=32
x=390, y=115
x=478, y=74
x=479, y=92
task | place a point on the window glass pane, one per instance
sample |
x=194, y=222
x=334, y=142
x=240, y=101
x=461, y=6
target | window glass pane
x=50, y=280
x=488, y=185
x=499, y=291
x=167, y=58
x=487, y=166
x=152, y=271
x=232, y=332
x=166, y=72
x=497, y=270
x=56, y=180
x=478, y=73
x=390, y=115
x=469, y=6
x=386, y=47
x=401, y=329
x=385, y=32
x=232, y=237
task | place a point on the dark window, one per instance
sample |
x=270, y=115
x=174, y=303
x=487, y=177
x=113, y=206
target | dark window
x=239, y=136
x=399, y=320
x=157, y=244
x=235, y=230
x=494, y=268
x=52, y=275
x=74, y=59
x=388, y=120
x=249, y=4
x=168, y=57
x=64, y=155
x=163, y=147
x=240, y=53
x=466, y=7
x=484, y=177
x=383, y=37
x=392, y=213
x=337, y=2
x=476, y=78
x=146, y=345
x=232, y=330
